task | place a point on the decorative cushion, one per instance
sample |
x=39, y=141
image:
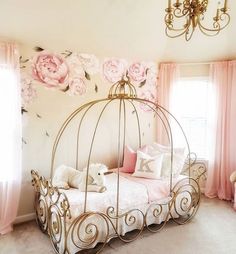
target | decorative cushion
x=130, y=157
x=148, y=166
x=177, y=166
x=178, y=158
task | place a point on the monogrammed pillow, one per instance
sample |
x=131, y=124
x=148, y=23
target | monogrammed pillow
x=148, y=166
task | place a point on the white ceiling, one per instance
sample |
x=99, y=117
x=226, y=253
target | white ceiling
x=122, y=28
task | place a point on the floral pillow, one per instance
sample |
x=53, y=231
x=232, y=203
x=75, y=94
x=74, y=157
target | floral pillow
x=148, y=166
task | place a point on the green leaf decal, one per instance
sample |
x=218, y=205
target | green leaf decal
x=87, y=76
x=66, y=89
x=96, y=88
x=142, y=84
x=38, y=49
x=67, y=53
x=23, y=110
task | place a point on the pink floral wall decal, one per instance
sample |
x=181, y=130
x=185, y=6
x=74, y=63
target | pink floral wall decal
x=74, y=65
x=72, y=73
x=114, y=69
x=50, y=69
x=137, y=73
x=77, y=86
x=90, y=63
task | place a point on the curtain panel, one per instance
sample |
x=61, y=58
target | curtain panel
x=167, y=79
x=10, y=135
x=222, y=126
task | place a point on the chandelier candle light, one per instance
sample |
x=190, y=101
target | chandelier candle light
x=192, y=12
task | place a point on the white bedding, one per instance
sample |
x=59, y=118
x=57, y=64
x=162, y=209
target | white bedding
x=133, y=195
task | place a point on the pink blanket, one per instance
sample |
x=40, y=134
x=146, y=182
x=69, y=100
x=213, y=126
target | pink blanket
x=156, y=189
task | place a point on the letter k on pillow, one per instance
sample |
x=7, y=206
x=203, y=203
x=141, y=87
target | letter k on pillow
x=148, y=166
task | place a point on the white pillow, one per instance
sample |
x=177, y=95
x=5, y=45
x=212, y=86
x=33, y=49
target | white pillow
x=148, y=166
x=161, y=148
x=178, y=158
x=177, y=165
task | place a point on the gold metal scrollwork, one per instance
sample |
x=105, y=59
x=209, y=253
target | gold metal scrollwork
x=71, y=234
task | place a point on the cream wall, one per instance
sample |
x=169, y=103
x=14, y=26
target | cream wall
x=52, y=108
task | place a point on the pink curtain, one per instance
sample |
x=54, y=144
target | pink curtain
x=10, y=135
x=168, y=76
x=222, y=145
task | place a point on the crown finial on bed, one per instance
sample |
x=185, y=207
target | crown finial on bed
x=122, y=89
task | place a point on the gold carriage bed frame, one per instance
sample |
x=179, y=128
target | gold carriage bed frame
x=53, y=210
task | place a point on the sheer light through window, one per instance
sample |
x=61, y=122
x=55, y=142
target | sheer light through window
x=8, y=100
x=190, y=105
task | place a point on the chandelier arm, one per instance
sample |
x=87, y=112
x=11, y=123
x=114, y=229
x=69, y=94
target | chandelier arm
x=220, y=28
x=214, y=32
x=204, y=29
x=189, y=36
x=183, y=12
x=171, y=27
x=182, y=30
x=175, y=30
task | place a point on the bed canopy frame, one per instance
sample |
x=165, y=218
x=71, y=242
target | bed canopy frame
x=53, y=210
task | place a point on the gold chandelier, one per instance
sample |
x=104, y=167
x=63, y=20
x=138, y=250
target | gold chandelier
x=191, y=13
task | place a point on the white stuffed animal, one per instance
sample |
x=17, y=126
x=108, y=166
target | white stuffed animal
x=66, y=177
x=233, y=177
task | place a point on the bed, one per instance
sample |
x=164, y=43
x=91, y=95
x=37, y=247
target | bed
x=77, y=221
x=61, y=213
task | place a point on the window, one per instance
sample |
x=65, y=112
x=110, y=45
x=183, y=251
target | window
x=189, y=103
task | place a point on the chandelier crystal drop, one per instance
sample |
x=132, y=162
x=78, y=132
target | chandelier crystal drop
x=184, y=16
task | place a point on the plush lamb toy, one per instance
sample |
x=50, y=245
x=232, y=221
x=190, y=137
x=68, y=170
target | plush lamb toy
x=66, y=177
x=233, y=177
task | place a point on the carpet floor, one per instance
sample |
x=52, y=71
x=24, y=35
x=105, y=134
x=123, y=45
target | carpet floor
x=212, y=231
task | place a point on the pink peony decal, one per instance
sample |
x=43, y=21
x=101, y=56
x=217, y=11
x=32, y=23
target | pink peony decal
x=50, y=69
x=137, y=72
x=114, y=69
x=28, y=91
x=89, y=63
x=77, y=86
x=74, y=65
x=147, y=95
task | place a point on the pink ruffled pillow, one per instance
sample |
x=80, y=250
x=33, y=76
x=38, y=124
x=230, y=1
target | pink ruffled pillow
x=130, y=157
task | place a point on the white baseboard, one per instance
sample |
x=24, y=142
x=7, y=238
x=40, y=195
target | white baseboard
x=24, y=218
